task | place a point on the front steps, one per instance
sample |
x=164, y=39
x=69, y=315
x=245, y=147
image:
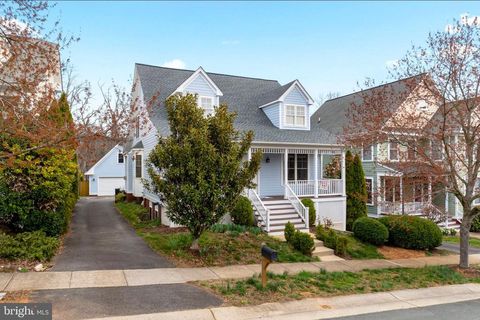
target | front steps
x=324, y=253
x=281, y=212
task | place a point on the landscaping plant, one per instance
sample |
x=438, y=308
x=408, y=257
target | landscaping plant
x=242, y=213
x=302, y=242
x=33, y=246
x=370, y=230
x=289, y=231
x=200, y=168
x=312, y=214
x=330, y=240
x=356, y=189
x=412, y=232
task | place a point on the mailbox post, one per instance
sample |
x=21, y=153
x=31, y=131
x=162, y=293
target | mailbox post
x=268, y=256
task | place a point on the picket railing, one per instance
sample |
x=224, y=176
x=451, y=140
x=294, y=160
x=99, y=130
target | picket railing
x=260, y=207
x=297, y=204
x=325, y=187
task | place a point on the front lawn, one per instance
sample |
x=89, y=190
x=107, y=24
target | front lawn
x=326, y=284
x=222, y=245
x=360, y=250
x=474, y=242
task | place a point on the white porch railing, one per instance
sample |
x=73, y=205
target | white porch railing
x=326, y=187
x=396, y=207
x=260, y=207
x=297, y=204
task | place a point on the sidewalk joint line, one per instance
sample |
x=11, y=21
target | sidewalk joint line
x=125, y=277
x=70, y=281
x=213, y=314
x=9, y=281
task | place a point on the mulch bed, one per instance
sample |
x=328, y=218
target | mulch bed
x=22, y=296
x=391, y=253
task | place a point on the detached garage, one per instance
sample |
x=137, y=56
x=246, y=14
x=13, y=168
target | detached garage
x=107, y=174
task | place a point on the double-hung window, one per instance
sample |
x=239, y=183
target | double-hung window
x=206, y=103
x=367, y=153
x=138, y=166
x=295, y=115
x=393, y=151
x=298, y=167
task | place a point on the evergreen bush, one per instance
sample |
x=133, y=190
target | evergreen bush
x=370, y=230
x=242, y=213
x=312, y=215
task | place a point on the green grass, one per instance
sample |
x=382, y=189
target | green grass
x=357, y=249
x=307, y=284
x=474, y=242
x=220, y=246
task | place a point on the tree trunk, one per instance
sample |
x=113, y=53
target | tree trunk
x=464, y=244
x=195, y=246
x=465, y=237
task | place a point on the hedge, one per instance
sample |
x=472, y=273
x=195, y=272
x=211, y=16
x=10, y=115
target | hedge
x=370, y=230
x=412, y=232
x=33, y=246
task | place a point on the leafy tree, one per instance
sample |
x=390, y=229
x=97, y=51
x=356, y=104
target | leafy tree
x=200, y=168
x=333, y=169
x=356, y=189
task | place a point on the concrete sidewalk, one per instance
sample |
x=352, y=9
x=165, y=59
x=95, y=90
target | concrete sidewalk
x=140, y=277
x=325, y=308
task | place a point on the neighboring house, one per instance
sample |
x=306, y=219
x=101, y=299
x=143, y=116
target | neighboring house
x=389, y=189
x=108, y=173
x=295, y=146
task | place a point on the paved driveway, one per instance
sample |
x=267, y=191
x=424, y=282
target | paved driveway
x=100, y=239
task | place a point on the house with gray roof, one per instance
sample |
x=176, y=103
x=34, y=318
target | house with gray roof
x=393, y=188
x=296, y=147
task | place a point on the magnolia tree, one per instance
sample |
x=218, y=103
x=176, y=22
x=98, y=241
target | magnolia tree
x=200, y=169
x=430, y=117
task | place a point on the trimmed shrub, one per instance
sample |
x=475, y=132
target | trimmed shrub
x=341, y=246
x=475, y=224
x=242, y=213
x=312, y=214
x=302, y=242
x=321, y=232
x=412, y=232
x=34, y=246
x=289, y=231
x=120, y=197
x=330, y=240
x=370, y=230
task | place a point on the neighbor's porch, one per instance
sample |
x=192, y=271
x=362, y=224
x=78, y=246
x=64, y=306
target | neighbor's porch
x=306, y=172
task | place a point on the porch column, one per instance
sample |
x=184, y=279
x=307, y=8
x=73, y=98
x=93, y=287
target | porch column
x=315, y=170
x=429, y=190
x=285, y=169
x=344, y=192
x=321, y=165
x=402, y=207
x=249, y=154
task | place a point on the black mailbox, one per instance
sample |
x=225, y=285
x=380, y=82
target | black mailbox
x=269, y=253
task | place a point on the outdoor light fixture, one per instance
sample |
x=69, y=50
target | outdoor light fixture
x=267, y=160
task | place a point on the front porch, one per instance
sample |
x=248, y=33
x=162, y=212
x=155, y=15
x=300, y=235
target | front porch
x=288, y=174
x=300, y=170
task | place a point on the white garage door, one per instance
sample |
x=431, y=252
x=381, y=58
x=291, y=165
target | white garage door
x=107, y=186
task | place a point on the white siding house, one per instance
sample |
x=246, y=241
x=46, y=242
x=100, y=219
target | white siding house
x=108, y=173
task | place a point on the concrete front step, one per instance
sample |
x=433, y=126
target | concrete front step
x=276, y=202
x=279, y=206
x=280, y=211
x=322, y=252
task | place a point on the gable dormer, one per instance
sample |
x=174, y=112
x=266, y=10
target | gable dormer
x=289, y=107
x=208, y=93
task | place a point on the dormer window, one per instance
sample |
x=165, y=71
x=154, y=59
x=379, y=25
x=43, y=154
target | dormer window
x=295, y=115
x=206, y=103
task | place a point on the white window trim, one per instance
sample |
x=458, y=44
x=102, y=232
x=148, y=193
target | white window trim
x=296, y=166
x=212, y=99
x=398, y=152
x=371, y=191
x=118, y=160
x=368, y=160
x=296, y=106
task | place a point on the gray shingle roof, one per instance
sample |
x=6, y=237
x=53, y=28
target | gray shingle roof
x=138, y=145
x=333, y=113
x=242, y=95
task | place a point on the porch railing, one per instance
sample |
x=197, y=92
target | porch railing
x=260, y=207
x=297, y=204
x=396, y=207
x=326, y=187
